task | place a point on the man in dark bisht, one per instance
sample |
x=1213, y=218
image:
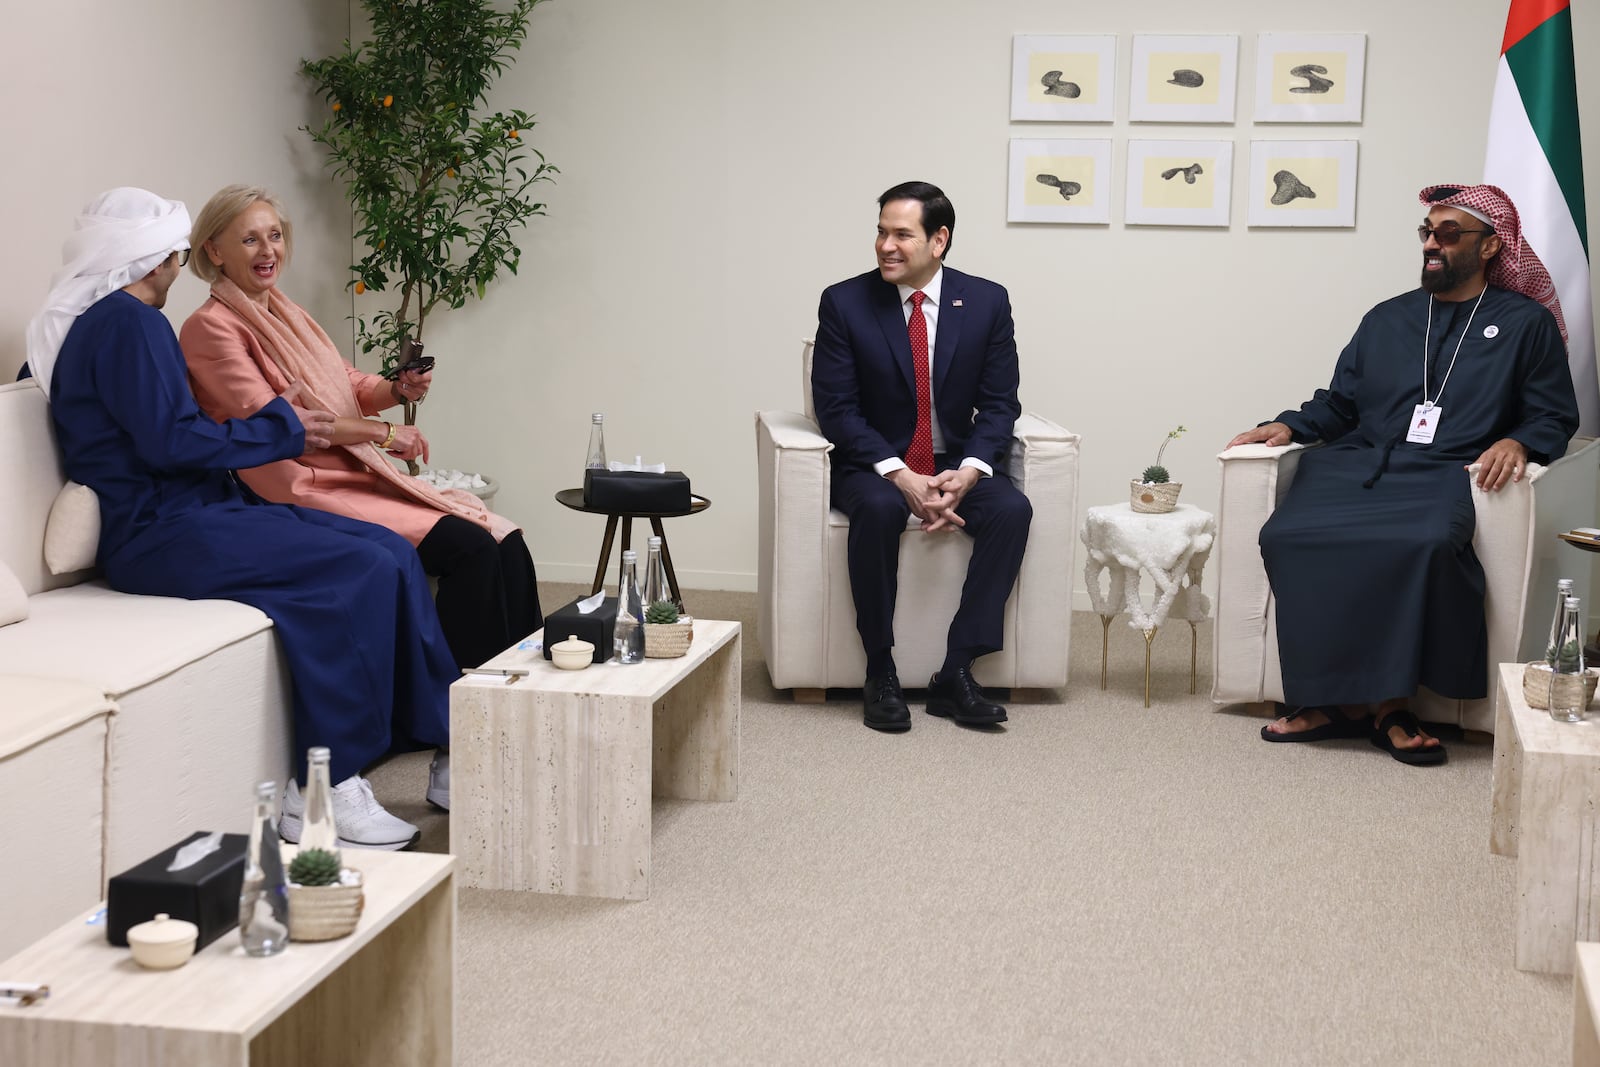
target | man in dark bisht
x=1370, y=554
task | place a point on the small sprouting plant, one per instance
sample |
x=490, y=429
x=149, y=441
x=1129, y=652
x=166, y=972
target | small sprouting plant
x=661, y=613
x=1156, y=474
x=314, y=866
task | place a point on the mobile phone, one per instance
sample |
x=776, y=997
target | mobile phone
x=410, y=358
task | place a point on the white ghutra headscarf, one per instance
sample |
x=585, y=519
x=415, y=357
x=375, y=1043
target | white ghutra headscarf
x=120, y=237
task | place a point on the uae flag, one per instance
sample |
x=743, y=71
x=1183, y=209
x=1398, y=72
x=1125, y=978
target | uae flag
x=1535, y=156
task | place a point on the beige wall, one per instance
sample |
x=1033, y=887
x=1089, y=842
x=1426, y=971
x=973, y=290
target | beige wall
x=719, y=165
x=178, y=96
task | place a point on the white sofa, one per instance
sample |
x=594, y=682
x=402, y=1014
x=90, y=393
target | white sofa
x=126, y=722
x=1515, y=541
x=805, y=617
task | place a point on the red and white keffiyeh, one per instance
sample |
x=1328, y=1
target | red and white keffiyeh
x=1517, y=266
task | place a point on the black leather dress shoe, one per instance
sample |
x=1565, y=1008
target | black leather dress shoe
x=883, y=705
x=959, y=697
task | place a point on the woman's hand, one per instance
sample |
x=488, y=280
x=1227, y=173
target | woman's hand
x=409, y=444
x=413, y=386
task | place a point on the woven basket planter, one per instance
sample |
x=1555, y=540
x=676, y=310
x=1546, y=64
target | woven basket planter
x=1536, y=686
x=668, y=640
x=324, y=912
x=1156, y=499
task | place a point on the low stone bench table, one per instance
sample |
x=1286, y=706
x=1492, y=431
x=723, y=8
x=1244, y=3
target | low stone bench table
x=1546, y=799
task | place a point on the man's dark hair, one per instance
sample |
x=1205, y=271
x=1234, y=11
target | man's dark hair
x=937, y=210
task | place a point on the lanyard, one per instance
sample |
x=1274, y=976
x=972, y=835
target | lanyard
x=1425, y=338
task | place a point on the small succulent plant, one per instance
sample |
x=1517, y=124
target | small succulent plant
x=1156, y=474
x=314, y=866
x=661, y=613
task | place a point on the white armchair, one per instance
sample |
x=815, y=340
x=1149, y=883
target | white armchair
x=1515, y=540
x=805, y=616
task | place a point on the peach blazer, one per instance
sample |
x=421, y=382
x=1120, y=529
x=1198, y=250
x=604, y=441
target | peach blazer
x=234, y=376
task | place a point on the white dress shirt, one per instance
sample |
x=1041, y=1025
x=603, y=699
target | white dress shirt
x=930, y=311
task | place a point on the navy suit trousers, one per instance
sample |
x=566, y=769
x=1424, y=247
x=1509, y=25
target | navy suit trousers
x=997, y=519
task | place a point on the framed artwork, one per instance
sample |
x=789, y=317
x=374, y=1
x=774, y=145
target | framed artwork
x=1063, y=79
x=1306, y=77
x=1302, y=183
x=1183, y=79
x=1065, y=180
x=1179, y=183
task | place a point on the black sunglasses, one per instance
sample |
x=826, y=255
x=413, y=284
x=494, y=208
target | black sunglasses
x=1446, y=233
x=183, y=257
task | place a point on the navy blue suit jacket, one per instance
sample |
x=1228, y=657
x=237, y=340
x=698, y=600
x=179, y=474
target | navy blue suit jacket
x=862, y=383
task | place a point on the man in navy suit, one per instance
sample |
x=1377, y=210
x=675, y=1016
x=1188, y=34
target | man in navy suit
x=914, y=378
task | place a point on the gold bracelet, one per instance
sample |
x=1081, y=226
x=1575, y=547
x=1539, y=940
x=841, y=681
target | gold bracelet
x=387, y=441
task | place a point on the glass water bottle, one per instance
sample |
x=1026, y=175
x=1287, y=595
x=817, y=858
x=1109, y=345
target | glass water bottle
x=1552, y=646
x=630, y=612
x=264, y=897
x=317, y=829
x=656, y=586
x=1568, y=697
x=597, y=443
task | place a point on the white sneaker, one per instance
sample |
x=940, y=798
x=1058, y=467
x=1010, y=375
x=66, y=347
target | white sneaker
x=361, y=820
x=439, y=780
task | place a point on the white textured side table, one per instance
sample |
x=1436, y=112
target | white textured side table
x=1586, y=1005
x=1172, y=548
x=1545, y=811
x=552, y=771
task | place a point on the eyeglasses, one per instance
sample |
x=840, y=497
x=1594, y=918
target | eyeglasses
x=1446, y=233
x=183, y=257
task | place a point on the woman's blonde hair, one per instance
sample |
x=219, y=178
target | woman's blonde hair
x=219, y=213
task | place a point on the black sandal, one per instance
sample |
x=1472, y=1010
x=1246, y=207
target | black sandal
x=1415, y=757
x=1338, y=726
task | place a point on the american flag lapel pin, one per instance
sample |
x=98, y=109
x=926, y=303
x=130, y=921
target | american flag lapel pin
x=955, y=303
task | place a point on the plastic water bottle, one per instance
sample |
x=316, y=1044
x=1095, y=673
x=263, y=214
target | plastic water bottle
x=318, y=829
x=630, y=612
x=597, y=443
x=264, y=897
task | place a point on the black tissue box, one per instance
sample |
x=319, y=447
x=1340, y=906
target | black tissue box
x=206, y=893
x=636, y=492
x=598, y=627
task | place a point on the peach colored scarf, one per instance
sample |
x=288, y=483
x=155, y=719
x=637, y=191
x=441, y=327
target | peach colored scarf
x=303, y=352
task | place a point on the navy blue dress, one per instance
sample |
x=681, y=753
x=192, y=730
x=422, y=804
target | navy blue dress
x=1370, y=554
x=370, y=667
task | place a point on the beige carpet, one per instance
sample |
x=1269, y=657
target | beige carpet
x=1097, y=884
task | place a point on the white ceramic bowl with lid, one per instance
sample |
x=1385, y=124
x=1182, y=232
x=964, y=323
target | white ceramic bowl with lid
x=572, y=654
x=163, y=943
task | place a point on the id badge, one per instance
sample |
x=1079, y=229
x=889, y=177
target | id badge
x=1424, y=423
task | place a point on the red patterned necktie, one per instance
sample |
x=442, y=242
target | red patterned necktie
x=919, y=457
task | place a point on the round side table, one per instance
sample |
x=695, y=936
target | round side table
x=573, y=498
x=1591, y=652
x=1172, y=548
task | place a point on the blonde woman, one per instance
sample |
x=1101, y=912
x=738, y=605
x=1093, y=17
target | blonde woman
x=249, y=342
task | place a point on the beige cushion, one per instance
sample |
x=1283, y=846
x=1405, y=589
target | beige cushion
x=13, y=599
x=72, y=536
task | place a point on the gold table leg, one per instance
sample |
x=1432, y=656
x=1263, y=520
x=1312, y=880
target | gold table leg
x=1105, y=640
x=1194, y=644
x=1149, y=636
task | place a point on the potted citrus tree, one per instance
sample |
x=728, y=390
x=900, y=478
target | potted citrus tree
x=441, y=186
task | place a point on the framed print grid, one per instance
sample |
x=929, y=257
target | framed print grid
x=1179, y=183
x=1303, y=77
x=1302, y=183
x=1066, y=180
x=1186, y=78
x=1063, y=79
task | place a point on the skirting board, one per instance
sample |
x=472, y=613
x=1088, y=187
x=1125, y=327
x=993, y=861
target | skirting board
x=726, y=581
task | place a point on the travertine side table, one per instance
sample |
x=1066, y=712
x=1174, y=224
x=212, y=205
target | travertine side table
x=1546, y=797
